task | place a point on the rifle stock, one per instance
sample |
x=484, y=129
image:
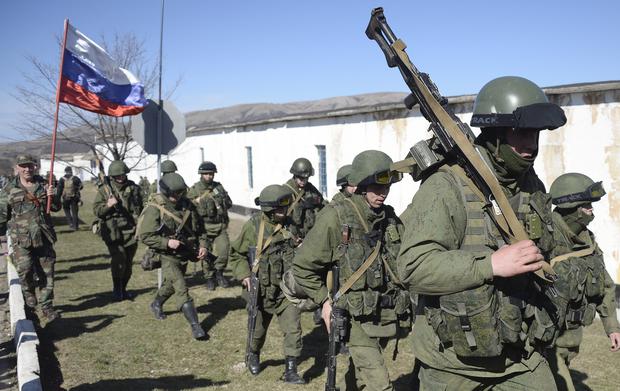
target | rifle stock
x=452, y=137
x=252, y=303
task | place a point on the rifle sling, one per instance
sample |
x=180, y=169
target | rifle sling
x=574, y=254
x=472, y=156
x=295, y=200
x=181, y=221
x=260, y=247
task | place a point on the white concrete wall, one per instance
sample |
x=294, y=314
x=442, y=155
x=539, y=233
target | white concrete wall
x=80, y=164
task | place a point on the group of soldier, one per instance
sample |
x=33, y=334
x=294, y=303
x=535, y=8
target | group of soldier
x=481, y=318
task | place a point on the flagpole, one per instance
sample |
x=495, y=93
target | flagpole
x=160, y=109
x=62, y=59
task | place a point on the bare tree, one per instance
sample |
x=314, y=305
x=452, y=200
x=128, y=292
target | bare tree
x=110, y=135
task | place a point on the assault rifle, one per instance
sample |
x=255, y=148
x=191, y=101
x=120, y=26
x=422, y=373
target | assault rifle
x=252, y=303
x=188, y=247
x=337, y=333
x=452, y=139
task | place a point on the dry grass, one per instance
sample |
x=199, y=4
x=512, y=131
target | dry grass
x=101, y=345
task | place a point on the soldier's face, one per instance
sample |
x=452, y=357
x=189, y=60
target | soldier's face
x=350, y=189
x=208, y=177
x=300, y=181
x=376, y=194
x=25, y=171
x=523, y=141
x=120, y=179
x=279, y=214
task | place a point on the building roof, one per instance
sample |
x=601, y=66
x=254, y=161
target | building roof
x=221, y=119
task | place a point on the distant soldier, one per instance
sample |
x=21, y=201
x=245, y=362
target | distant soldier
x=342, y=180
x=172, y=229
x=593, y=290
x=213, y=202
x=307, y=200
x=23, y=203
x=146, y=187
x=47, y=178
x=118, y=205
x=268, y=232
x=69, y=187
x=166, y=167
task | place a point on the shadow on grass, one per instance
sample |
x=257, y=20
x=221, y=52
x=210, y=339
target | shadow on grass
x=89, y=267
x=184, y=382
x=51, y=374
x=578, y=380
x=315, y=347
x=217, y=308
x=84, y=258
x=96, y=300
x=64, y=328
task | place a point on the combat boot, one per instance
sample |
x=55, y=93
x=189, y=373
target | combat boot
x=192, y=317
x=210, y=284
x=156, y=308
x=50, y=314
x=221, y=279
x=124, y=292
x=117, y=290
x=253, y=363
x=290, y=371
x=30, y=299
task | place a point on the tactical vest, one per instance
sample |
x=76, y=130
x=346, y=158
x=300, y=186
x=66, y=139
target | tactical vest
x=303, y=213
x=69, y=190
x=478, y=322
x=120, y=223
x=587, y=275
x=274, y=261
x=377, y=288
x=29, y=225
x=212, y=205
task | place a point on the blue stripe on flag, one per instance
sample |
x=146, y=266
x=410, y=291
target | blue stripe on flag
x=93, y=81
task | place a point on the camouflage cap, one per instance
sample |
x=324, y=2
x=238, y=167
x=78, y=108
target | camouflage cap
x=25, y=159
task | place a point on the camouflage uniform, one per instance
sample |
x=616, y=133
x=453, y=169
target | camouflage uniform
x=118, y=229
x=69, y=187
x=303, y=212
x=32, y=238
x=212, y=202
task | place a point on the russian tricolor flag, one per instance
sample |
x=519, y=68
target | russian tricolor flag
x=91, y=80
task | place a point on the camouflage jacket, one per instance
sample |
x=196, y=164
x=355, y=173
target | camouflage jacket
x=212, y=202
x=303, y=212
x=23, y=213
x=118, y=223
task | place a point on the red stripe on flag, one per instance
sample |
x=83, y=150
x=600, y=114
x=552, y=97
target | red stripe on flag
x=73, y=94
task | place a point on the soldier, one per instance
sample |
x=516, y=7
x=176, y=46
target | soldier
x=23, y=203
x=486, y=319
x=593, y=289
x=69, y=187
x=118, y=204
x=342, y=180
x=268, y=232
x=146, y=188
x=166, y=167
x=360, y=234
x=213, y=202
x=171, y=227
x=307, y=200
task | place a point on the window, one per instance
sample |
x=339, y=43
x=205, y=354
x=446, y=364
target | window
x=322, y=170
x=248, y=151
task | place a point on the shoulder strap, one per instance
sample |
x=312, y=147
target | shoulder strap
x=574, y=254
x=295, y=200
x=260, y=246
x=359, y=215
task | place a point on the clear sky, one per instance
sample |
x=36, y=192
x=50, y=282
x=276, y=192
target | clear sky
x=231, y=52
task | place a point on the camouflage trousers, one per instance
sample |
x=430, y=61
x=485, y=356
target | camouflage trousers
x=35, y=267
x=538, y=379
x=220, y=247
x=173, y=271
x=559, y=361
x=71, y=208
x=122, y=260
x=289, y=320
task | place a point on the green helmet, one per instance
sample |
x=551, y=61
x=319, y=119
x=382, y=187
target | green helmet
x=342, y=177
x=168, y=166
x=302, y=167
x=372, y=167
x=573, y=189
x=515, y=102
x=272, y=197
x=118, y=167
x=207, y=167
x=172, y=183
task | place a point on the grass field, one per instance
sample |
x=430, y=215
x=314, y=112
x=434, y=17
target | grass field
x=102, y=345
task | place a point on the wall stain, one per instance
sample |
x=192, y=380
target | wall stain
x=594, y=100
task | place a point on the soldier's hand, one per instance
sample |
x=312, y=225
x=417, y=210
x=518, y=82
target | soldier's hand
x=112, y=201
x=615, y=341
x=202, y=253
x=519, y=258
x=246, y=283
x=326, y=313
x=50, y=190
x=174, y=244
